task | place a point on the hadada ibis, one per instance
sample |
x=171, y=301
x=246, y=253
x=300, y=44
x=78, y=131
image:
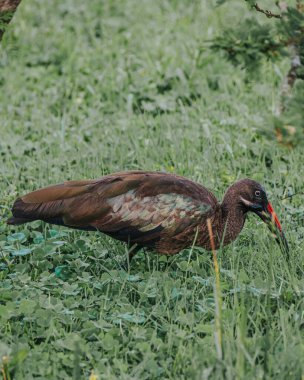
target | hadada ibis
x=161, y=211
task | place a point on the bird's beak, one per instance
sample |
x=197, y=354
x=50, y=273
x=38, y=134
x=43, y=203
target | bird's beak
x=268, y=215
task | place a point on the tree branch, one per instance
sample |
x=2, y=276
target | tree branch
x=266, y=12
x=7, y=10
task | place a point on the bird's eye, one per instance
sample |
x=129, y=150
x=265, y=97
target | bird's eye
x=257, y=193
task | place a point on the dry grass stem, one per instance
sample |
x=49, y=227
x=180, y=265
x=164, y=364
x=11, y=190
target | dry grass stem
x=217, y=296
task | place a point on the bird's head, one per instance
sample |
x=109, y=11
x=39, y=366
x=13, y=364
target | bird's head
x=251, y=196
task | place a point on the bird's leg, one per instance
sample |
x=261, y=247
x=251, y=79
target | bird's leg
x=131, y=253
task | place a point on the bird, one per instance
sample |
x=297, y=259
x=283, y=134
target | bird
x=159, y=211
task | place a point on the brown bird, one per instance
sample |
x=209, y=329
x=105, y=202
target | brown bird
x=160, y=211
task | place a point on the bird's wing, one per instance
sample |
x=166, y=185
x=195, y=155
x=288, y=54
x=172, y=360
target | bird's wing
x=127, y=205
x=145, y=219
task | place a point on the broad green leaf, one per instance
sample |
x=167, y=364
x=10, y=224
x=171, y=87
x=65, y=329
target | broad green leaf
x=18, y=236
x=22, y=252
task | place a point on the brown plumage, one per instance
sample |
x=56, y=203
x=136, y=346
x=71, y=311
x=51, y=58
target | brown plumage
x=7, y=10
x=161, y=211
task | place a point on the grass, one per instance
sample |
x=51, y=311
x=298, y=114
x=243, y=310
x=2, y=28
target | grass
x=96, y=87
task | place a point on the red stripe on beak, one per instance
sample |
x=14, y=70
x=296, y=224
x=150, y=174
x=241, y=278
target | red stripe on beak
x=274, y=217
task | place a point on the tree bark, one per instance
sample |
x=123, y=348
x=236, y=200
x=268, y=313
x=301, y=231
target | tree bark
x=7, y=10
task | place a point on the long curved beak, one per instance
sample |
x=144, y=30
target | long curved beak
x=269, y=216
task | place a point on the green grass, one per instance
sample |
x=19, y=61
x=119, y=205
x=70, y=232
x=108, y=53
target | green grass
x=88, y=88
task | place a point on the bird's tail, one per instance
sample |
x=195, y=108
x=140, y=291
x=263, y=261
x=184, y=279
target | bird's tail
x=28, y=212
x=17, y=221
x=50, y=203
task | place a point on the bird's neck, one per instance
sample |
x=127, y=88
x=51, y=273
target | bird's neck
x=232, y=220
x=227, y=221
